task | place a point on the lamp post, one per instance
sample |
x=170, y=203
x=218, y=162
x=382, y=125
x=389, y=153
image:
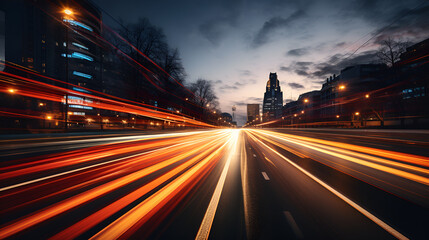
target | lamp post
x=67, y=15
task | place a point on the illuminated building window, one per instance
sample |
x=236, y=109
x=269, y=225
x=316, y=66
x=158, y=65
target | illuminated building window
x=80, y=106
x=84, y=75
x=79, y=56
x=78, y=24
x=80, y=46
x=80, y=90
x=78, y=113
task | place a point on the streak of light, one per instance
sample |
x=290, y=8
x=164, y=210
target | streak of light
x=369, y=215
x=335, y=153
x=39, y=90
x=95, y=218
x=144, y=210
x=206, y=224
x=94, y=193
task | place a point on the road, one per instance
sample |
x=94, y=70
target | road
x=217, y=184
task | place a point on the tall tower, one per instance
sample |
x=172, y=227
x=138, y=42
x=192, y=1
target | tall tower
x=273, y=99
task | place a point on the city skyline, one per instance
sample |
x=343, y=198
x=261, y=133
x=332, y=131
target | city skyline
x=236, y=43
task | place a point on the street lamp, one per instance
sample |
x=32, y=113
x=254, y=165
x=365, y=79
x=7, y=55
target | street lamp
x=306, y=100
x=68, y=11
x=342, y=87
x=11, y=90
x=357, y=113
x=367, y=96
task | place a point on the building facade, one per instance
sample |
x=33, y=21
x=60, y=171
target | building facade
x=46, y=39
x=273, y=99
x=252, y=112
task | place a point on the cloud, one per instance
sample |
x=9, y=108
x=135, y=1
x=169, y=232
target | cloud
x=254, y=99
x=228, y=87
x=295, y=85
x=249, y=100
x=300, y=68
x=338, y=62
x=272, y=25
x=410, y=24
x=297, y=52
x=246, y=73
x=302, y=73
x=286, y=69
x=239, y=103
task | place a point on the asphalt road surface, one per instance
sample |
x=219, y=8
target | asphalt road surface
x=217, y=184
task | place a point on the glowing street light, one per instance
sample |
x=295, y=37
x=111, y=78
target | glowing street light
x=367, y=96
x=302, y=111
x=68, y=11
x=306, y=100
x=338, y=116
x=11, y=90
x=49, y=117
x=295, y=115
x=342, y=87
x=357, y=113
x=41, y=104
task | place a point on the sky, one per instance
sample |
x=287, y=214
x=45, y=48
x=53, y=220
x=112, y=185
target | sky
x=237, y=43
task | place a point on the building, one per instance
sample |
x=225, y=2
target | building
x=46, y=39
x=273, y=99
x=226, y=117
x=252, y=112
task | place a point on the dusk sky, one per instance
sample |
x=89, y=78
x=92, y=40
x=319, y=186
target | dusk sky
x=237, y=43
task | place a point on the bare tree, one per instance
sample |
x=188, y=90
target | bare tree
x=391, y=50
x=204, y=93
x=147, y=38
x=172, y=64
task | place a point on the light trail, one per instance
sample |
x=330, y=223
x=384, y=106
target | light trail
x=206, y=224
x=149, y=164
x=40, y=90
x=361, y=159
x=130, y=186
x=143, y=211
x=369, y=215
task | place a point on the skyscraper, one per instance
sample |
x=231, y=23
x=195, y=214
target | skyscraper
x=273, y=99
x=252, y=112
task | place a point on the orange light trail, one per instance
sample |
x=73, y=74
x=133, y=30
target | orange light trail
x=341, y=151
x=193, y=152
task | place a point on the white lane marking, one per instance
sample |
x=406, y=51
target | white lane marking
x=265, y=176
x=206, y=224
x=376, y=220
x=293, y=224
